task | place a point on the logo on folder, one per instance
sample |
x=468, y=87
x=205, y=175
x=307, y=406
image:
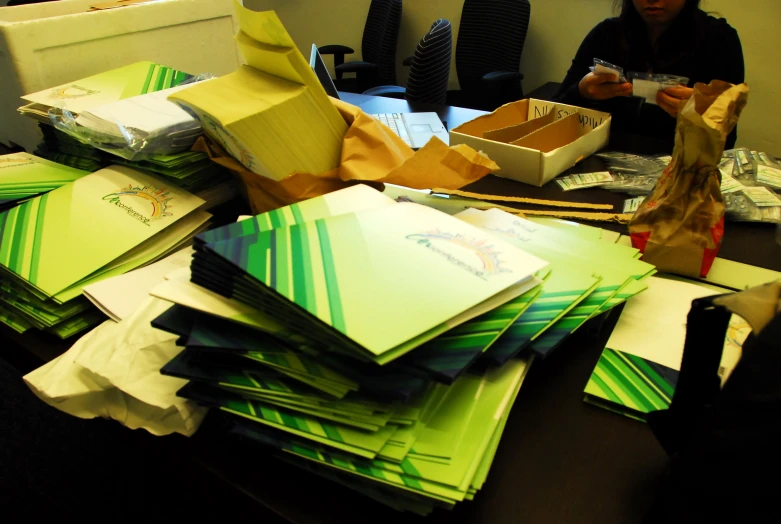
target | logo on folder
x=71, y=91
x=13, y=161
x=153, y=205
x=478, y=257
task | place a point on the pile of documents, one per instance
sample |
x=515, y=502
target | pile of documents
x=272, y=115
x=382, y=344
x=23, y=176
x=108, y=111
x=102, y=224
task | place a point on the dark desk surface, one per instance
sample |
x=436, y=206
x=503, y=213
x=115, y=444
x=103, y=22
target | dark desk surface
x=560, y=460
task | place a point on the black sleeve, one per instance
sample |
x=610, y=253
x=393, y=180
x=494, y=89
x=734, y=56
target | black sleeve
x=591, y=47
x=729, y=66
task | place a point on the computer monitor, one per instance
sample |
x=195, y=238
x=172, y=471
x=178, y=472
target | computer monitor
x=317, y=64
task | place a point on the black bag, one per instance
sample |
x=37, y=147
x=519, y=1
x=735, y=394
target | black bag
x=724, y=443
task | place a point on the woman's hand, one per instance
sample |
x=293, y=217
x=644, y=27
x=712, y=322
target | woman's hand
x=601, y=87
x=673, y=98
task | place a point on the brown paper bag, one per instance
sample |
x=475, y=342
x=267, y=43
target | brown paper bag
x=371, y=153
x=679, y=227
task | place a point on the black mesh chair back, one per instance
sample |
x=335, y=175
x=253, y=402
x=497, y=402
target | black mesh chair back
x=490, y=38
x=430, y=69
x=380, y=35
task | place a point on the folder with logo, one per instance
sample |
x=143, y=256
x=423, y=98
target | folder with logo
x=110, y=86
x=102, y=224
x=351, y=276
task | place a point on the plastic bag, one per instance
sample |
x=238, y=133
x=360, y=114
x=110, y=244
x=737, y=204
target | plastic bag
x=135, y=128
x=739, y=208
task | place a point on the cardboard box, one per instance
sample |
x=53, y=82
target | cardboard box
x=533, y=141
x=48, y=44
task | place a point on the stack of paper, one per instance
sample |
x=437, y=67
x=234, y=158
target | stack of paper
x=351, y=333
x=103, y=224
x=104, y=88
x=638, y=370
x=272, y=114
x=24, y=176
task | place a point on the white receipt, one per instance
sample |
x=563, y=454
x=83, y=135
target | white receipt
x=646, y=89
x=762, y=196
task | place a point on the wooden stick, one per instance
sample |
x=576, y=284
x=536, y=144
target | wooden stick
x=520, y=200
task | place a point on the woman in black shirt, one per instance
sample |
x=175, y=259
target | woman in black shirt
x=653, y=36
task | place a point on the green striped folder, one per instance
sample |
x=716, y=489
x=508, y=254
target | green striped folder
x=23, y=175
x=630, y=385
x=54, y=241
x=117, y=84
x=379, y=282
x=614, y=267
x=638, y=370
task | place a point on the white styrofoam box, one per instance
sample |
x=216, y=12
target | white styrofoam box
x=533, y=166
x=48, y=44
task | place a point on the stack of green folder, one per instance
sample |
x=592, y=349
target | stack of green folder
x=414, y=424
x=432, y=449
x=23, y=176
x=102, y=224
x=190, y=170
x=588, y=277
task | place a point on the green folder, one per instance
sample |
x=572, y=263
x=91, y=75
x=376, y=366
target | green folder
x=54, y=241
x=612, y=263
x=349, y=200
x=117, y=84
x=355, y=274
x=485, y=400
x=23, y=175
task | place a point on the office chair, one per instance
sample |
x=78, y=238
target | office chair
x=429, y=68
x=378, y=48
x=488, y=53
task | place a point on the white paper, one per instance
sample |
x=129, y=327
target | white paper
x=646, y=89
x=599, y=69
x=762, y=196
x=730, y=185
x=118, y=297
x=770, y=176
x=150, y=113
x=114, y=372
x=653, y=323
x=631, y=204
x=584, y=180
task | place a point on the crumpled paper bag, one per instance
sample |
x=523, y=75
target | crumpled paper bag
x=114, y=372
x=758, y=305
x=680, y=226
x=371, y=153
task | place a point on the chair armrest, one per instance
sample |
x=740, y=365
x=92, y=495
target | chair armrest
x=502, y=76
x=407, y=61
x=387, y=91
x=355, y=67
x=335, y=49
